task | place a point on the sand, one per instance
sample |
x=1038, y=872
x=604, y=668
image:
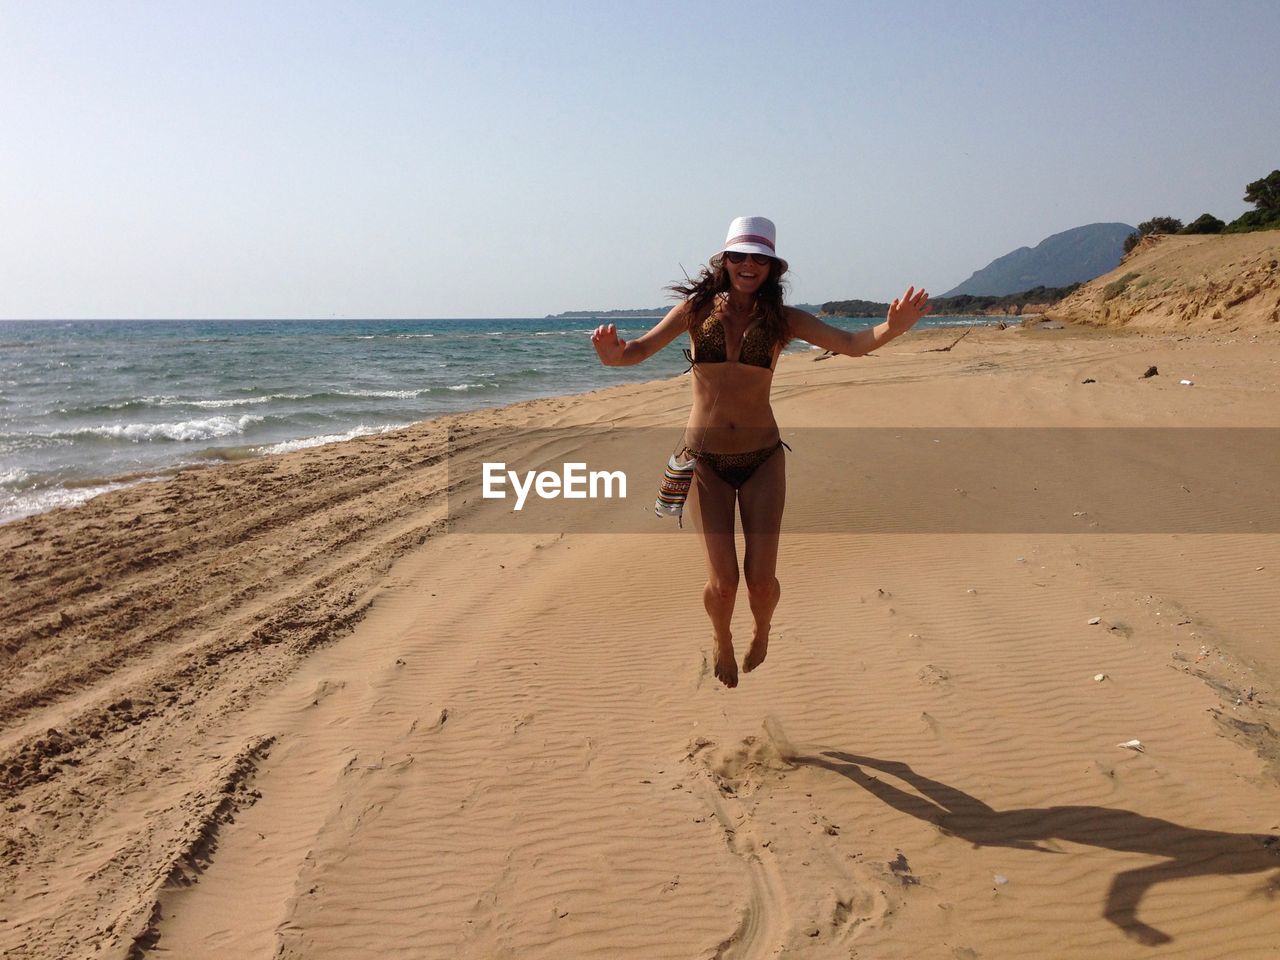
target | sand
x=278, y=709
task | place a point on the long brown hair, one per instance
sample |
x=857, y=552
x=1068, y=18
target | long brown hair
x=714, y=279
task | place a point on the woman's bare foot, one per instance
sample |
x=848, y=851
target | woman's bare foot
x=759, y=650
x=726, y=665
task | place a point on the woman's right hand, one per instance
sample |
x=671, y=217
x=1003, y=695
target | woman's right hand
x=608, y=344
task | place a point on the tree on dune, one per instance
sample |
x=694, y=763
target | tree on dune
x=1264, y=194
x=1154, y=225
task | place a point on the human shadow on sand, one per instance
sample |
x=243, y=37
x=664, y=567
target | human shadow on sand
x=1187, y=851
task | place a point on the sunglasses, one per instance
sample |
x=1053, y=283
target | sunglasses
x=737, y=256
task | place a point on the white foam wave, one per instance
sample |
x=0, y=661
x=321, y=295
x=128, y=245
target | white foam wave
x=11, y=478
x=392, y=336
x=208, y=428
x=17, y=506
x=392, y=394
x=465, y=386
x=249, y=401
x=241, y=401
x=288, y=446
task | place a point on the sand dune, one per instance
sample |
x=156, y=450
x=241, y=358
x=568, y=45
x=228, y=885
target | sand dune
x=276, y=709
x=1207, y=284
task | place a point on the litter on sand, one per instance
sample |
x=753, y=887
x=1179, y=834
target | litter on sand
x=1133, y=745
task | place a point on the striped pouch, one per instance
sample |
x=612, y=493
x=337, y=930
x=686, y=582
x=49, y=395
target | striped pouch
x=673, y=492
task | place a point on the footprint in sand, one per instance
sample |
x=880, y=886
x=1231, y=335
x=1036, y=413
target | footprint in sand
x=932, y=676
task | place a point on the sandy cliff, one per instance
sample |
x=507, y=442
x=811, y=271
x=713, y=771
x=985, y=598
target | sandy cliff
x=1186, y=283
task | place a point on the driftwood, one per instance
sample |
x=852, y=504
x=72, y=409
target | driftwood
x=967, y=331
x=828, y=354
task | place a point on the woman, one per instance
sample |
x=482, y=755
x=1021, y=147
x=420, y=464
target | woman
x=737, y=325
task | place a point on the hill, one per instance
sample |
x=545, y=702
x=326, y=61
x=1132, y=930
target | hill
x=1072, y=256
x=1224, y=283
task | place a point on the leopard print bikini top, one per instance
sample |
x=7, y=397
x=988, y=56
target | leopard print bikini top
x=709, y=344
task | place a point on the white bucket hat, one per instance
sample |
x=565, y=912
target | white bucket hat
x=753, y=235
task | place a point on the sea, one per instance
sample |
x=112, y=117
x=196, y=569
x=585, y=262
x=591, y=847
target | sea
x=89, y=406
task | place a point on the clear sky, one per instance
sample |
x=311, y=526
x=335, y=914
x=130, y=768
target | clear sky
x=477, y=159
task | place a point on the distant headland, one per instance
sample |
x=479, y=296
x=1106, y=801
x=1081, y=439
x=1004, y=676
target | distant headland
x=638, y=313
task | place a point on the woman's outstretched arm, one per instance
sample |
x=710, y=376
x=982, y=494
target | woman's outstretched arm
x=904, y=313
x=616, y=352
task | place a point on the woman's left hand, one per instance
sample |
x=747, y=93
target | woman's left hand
x=906, y=311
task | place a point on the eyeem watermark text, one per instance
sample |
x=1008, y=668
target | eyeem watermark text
x=574, y=482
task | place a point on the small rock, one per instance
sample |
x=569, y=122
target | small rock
x=1151, y=372
x=1187, y=383
x=1133, y=745
x=813, y=932
x=1089, y=380
x=1099, y=677
x=1094, y=621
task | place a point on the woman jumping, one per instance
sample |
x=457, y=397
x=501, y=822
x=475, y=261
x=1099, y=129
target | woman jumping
x=737, y=326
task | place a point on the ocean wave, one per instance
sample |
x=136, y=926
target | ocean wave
x=17, y=506
x=288, y=446
x=388, y=394
x=115, y=406
x=167, y=400
x=14, y=477
x=223, y=403
x=209, y=428
x=392, y=336
x=239, y=401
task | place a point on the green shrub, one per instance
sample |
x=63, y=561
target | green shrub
x=1254, y=220
x=1205, y=223
x=1116, y=287
x=1160, y=225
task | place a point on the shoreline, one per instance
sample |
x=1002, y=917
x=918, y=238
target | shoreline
x=218, y=455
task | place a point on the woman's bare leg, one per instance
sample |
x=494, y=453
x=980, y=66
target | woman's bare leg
x=713, y=505
x=762, y=498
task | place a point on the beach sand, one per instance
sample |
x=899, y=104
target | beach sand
x=276, y=709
